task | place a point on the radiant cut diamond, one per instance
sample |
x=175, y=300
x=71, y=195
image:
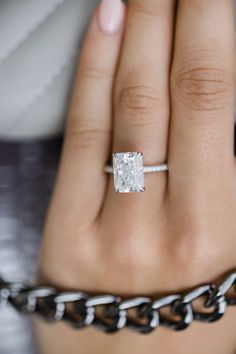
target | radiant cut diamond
x=128, y=172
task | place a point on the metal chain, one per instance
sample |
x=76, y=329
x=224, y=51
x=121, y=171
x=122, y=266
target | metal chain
x=111, y=313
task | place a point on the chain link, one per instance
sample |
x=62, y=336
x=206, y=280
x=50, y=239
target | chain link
x=111, y=313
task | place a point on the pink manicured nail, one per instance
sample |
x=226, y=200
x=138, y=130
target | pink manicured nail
x=111, y=15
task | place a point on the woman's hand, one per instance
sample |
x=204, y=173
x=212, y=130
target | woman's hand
x=167, y=90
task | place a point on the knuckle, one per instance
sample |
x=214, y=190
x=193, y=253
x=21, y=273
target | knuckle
x=91, y=71
x=203, y=87
x=85, y=138
x=139, y=100
x=154, y=10
x=193, y=248
x=189, y=249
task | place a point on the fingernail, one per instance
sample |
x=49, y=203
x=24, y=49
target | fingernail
x=111, y=15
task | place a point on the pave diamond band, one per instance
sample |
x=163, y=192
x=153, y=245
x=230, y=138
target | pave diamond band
x=128, y=170
x=146, y=169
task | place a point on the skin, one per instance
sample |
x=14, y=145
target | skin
x=163, y=84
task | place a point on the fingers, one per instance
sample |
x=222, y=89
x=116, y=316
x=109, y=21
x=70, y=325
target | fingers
x=88, y=130
x=201, y=136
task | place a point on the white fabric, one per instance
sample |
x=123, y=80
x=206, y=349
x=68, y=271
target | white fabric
x=39, y=40
x=39, y=43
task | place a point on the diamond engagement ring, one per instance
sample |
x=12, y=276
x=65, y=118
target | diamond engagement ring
x=128, y=170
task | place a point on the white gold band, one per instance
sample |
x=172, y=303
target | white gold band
x=146, y=169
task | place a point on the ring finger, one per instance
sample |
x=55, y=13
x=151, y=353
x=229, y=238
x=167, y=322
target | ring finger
x=141, y=101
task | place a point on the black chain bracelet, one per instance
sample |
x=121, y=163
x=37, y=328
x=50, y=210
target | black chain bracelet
x=112, y=313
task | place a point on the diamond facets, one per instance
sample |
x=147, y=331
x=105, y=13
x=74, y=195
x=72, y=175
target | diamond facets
x=128, y=172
